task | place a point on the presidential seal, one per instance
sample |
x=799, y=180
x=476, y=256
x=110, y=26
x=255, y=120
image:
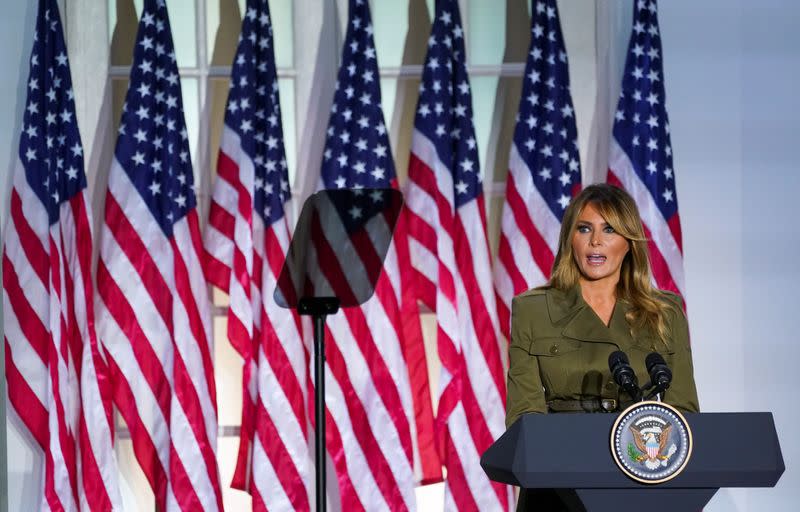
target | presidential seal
x=651, y=442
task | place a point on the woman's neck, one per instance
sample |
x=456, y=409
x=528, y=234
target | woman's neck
x=601, y=291
x=601, y=296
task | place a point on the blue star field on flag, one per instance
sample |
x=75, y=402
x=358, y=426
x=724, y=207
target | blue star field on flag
x=545, y=134
x=358, y=206
x=50, y=146
x=254, y=111
x=641, y=125
x=444, y=112
x=153, y=145
x=357, y=152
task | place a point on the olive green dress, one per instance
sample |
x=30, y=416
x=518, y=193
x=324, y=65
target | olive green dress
x=559, y=355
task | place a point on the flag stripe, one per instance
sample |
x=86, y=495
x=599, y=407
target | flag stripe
x=358, y=323
x=48, y=294
x=284, y=370
x=450, y=252
x=363, y=324
x=245, y=245
x=378, y=336
x=666, y=257
x=124, y=316
x=543, y=255
x=23, y=397
x=340, y=454
x=543, y=166
x=468, y=259
x=35, y=254
x=291, y=481
x=640, y=156
x=135, y=250
x=270, y=485
x=31, y=327
x=130, y=401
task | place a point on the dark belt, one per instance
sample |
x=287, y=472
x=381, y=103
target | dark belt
x=594, y=404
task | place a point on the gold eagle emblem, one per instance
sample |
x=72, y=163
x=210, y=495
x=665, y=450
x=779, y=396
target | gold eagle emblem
x=652, y=447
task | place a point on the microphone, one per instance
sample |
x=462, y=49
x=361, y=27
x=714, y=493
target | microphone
x=660, y=374
x=623, y=374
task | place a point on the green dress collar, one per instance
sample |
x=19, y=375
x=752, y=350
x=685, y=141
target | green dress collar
x=580, y=322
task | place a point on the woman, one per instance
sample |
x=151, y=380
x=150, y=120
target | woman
x=599, y=300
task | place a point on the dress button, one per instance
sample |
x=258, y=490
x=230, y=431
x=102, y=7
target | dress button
x=554, y=349
x=609, y=385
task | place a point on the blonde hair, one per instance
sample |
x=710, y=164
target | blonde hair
x=648, y=307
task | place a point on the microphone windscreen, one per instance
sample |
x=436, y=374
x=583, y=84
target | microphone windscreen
x=653, y=359
x=616, y=358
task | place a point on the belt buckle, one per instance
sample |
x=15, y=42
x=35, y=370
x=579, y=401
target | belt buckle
x=608, y=404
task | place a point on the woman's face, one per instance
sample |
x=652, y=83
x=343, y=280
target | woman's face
x=598, y=249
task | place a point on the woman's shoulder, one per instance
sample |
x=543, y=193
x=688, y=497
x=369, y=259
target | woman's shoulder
x=674, y=307
x=670, y=299
x=533, y=292
x=531, y=300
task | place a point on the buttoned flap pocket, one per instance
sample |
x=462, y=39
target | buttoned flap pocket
x=551, y=347
x=649, y=344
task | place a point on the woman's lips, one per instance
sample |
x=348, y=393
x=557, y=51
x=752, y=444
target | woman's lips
x=595, y=259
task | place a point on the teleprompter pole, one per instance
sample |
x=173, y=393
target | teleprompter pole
x=319, y=308
x=326, y=218
x=319, y=407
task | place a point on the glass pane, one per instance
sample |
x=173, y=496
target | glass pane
x=286, y=91
x=224, y=22
x=191, y=114
x=397, y=41
x=486, y=31
x=220, y=298
x=218, y=96
x=493, y=222
x=390, y=20
x=484, y=89
x=123, y=16
x=182, y=18
x=517, y=33
x=401, y=125
x=508, y=93
x=228, y=374
x=282, y=32
x=388, y=93
x=134, y=487
x=428, y=323
x=227, y=450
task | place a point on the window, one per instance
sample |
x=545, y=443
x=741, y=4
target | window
x=308, y=36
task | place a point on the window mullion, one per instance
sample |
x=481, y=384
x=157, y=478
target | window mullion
x=203, y=159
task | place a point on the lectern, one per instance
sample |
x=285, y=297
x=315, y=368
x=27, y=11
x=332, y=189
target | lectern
x=571, y=453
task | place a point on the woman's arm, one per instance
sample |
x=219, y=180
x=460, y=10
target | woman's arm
x=682, y=392
x=525, y=392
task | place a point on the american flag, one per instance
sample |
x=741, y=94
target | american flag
x=246, y=243
x=154, y=312
x=55, y=369
x=640, y=159
x=379, y=428
x=447, y=227
x=544, y=169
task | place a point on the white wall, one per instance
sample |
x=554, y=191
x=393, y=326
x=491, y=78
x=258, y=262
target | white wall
x=16, y=25
x=732, y=73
